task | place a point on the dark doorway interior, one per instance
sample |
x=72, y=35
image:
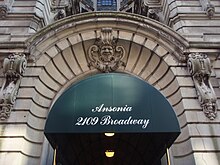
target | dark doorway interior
x=129, y=148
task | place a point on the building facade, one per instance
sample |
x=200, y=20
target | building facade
x=47, y=46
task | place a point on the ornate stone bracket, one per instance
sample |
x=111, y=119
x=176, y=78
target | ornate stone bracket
x=13, y=68
x=105, y=55
x=208, y=7
x=200, y=68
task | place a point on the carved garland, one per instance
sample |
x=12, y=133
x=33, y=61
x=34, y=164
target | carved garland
x=105, y=55
x=200, y=68
x=13, y=68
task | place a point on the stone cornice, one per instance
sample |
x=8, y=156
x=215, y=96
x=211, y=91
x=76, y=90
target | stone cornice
x=136, y=23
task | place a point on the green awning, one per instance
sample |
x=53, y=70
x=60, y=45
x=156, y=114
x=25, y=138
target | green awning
x=111, y=103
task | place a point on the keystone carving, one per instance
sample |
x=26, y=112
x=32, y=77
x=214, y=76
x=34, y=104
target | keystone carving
x=13, y=68
x=105, y=55
x=3, y=11
x=200, y=68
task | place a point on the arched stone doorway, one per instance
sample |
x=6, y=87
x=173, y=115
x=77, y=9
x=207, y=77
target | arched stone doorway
x=143, y=122
x=60, y=57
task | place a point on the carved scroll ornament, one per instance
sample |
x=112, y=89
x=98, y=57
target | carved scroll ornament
x=200, y=68
x=13, y=68
x=105, y=55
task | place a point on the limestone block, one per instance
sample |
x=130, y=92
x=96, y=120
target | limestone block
x=38, y=111
x=43, y=60
x=159, y=73
x=171, y=60
x=22, y=104
x=184, y=135
x=152, y=65
x=36, y=123
x=74, y=39
x=185, y=81
x=28, y=81
x=150, y=44
x=178, y=108
x=55, y=73
x=47, y=80
x=26, y=92
x=63, y=67
x=191, y=104
x=160, y=51
x=204, y=158
x=175, y=98
x=127, y=46
x=217, y=91
x=21, y=130
x=188, y=92
x=186, y=160
x=138, y=39
x=124, y=35
x=52, y=52
x=144, y=57
x=180, y=71
x=88, y=35
x=44, y=90
x=206, y=144
x=214, y=82
x=133, y=56
x=12, y=158
x=43, y=46
x=20, y=144
x=198, y=117
x=167, y=79
x=81, y=56
x=217, y=73
x=182, y=120
x=71, y=61
x=63, y=44
x=17, y=117
x=182, y=149
x=204, y=130
x=171, y=88
x=152, y=79
x=33, y=135
x=33, y=71
x=41, y=100
x=14, y=23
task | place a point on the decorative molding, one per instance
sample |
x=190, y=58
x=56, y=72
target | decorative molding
x=13, y=68
x=3, y=11
x=175, y=41
x=200, y=68
x=208, y=7
x=105, y=55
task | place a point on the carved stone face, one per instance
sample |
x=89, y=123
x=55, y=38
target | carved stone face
x=107, y=53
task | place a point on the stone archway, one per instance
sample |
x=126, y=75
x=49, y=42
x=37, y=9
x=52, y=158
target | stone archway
x=59, y=55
